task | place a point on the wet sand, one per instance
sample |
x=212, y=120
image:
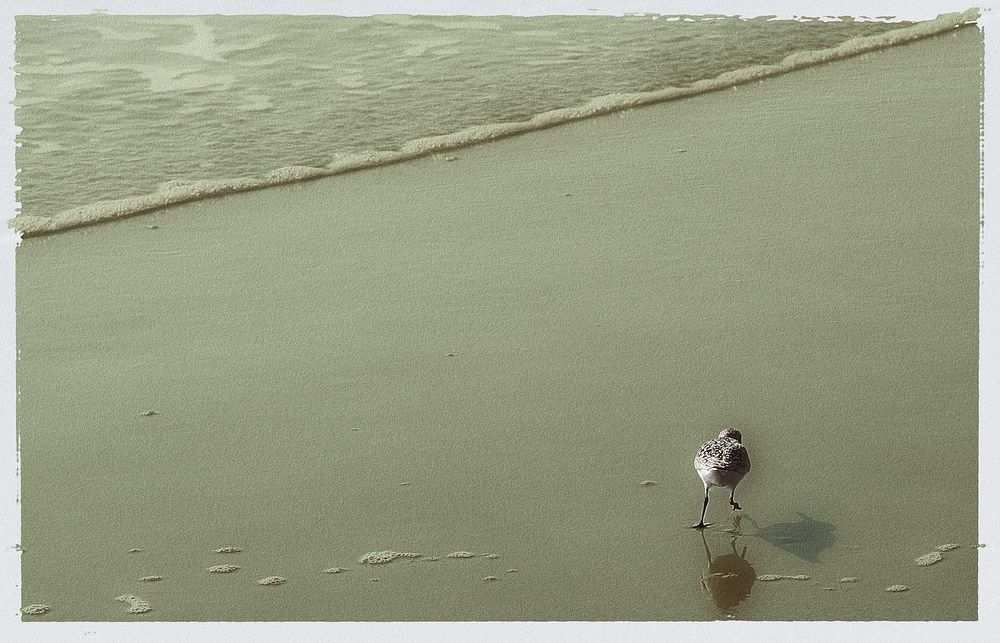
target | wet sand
x=492, y=355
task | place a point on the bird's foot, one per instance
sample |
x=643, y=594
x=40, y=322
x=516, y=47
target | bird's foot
x=736, y=506
x=700, y=525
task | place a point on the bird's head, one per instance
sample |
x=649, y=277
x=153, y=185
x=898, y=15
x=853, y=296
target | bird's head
x=731, y=433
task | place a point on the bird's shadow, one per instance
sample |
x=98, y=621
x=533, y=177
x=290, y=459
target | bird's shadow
x=805, y=538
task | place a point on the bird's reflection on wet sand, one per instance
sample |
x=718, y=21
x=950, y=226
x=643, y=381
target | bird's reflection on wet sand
x=728, y=578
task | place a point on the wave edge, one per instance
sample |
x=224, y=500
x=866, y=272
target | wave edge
x=180, y=192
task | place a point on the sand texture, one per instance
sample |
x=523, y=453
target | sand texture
x=525, y=334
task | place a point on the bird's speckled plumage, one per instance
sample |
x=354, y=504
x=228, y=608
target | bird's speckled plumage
x=722, y=462
x=725, y=452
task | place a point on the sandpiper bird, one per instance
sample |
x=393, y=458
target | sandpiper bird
x=722, y=462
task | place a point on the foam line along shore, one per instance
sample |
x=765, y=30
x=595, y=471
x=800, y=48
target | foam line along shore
x=175, y=192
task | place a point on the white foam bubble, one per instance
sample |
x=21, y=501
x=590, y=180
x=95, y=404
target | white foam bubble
x=135, y=604
x=223, y=569
x=929, y=559
x=35, y=609
x=383, y=557
x=272, y=580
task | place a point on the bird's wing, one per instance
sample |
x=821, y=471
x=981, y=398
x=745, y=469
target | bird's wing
x=729, y=455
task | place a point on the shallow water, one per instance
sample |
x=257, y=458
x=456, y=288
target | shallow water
x=114, y=106
x=525, y=335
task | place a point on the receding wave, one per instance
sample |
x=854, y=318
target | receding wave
x=178, y=192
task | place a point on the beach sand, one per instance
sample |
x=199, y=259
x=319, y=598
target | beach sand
x=492, y=354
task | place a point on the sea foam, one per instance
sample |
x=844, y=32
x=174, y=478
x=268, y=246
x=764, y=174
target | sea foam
x=177, y=192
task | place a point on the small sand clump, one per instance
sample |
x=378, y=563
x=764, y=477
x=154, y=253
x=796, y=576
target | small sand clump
x=135, y=604
x=849, y=579
x=383, y=557
x=222, y=569
x=461, y=554
x=929, y=559
x=36, y=609
x=770, y=577
x=134, y=551
x=897, y=588
x=334, y=570
x=228, y=550
x=948, y=546
x=490, y=578
x=648, y=483
x=272, y=580
x=490, y=556
x=150, y=579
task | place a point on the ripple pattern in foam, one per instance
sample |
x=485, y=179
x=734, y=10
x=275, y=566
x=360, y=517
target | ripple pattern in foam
x=181, y=191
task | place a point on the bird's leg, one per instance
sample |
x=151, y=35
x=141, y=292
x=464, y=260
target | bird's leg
x=707, y=551
x=701, y=523
x=735, y=504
